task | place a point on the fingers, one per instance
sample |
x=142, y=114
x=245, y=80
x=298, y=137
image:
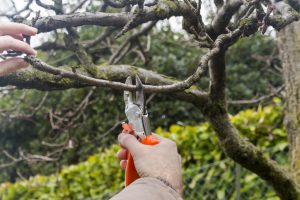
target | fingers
x=8, y=28
x=8, y=42
x=11, y=65
x=123, y=164
x=122, y=154
x=17, y=36
x=129, y=142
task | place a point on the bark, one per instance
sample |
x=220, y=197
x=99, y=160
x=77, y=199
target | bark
x=34, y=79
x=246, y=154
x=213, y=103
x=236, y=147
x=289, y=46
x=163, y=10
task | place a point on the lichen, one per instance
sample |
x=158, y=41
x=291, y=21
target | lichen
x=133, y=71
x=246, y=22
x=165, y=6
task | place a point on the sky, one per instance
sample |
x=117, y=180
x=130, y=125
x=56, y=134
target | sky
x=7, y=7
x=175, y=22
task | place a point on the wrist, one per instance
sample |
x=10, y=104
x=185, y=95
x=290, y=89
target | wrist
x=178, y=190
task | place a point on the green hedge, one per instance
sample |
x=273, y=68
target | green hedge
x=100, y=176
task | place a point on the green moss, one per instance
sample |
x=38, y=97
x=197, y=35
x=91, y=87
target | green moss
x=172, y=4
x=246, y=22
x=295, y=14
x=45, y=78
x=164, y=7
x=134, y=71
x=158, y=11
x=192, y=88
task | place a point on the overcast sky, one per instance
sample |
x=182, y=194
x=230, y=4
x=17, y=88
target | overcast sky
x=8, y=8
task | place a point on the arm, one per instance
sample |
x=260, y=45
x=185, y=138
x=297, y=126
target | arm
x=148, y=189
x=159, y=167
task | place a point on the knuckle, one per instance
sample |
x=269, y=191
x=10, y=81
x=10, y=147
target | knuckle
x=8, y=39
x=172, y=144
x=124, y=138
x=120, y=137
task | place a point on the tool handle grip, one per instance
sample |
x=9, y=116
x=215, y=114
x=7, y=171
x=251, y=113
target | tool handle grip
x=130, y=172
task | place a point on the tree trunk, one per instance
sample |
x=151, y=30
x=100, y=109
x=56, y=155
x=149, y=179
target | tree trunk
x=289, y=47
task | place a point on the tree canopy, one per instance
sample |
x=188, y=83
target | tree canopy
x=192, y=73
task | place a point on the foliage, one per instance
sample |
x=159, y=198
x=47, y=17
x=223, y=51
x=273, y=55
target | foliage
x=100, y=176
x=175, y=56
x=252, y=68
x=94, y=178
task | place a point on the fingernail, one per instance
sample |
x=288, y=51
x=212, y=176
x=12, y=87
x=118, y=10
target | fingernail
x=34, y=30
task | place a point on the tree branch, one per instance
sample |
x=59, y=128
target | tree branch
x=217, y=77
x=247, y=155
x=257, y=100
x=162, y=10
x=220, y=43
x=223, y=17
x=44, y=81
x=47, y=6
x=288, y=15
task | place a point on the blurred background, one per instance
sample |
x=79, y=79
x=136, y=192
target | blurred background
x=62, y=144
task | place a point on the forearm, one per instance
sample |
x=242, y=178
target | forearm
x=148, y=189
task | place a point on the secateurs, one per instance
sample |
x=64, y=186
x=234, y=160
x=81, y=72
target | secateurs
x=12, y=54
x=138, y=124
x=15, y=54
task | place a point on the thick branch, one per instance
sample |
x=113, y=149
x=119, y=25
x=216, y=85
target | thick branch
x=288, y=15
x=162, y=10
x=223, y=17
x=220, y=43
x=217, y=77
x=247, y=155
x=43, y=81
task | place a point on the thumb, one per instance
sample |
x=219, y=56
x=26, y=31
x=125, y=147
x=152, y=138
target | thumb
x=130, y=143
x=10, y=65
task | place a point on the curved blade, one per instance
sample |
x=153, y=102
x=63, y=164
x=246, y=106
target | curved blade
x=140, y=97
x=127, y=94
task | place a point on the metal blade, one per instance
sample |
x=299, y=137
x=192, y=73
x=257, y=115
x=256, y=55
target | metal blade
x=140, y=97
x=127, y=94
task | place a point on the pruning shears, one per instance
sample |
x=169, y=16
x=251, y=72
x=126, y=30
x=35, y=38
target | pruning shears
x=12, y=54
x=15, y=54
x=138, y=124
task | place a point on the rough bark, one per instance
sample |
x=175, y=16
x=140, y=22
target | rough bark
x=236, y=147
x=33, y=79
x=289, y=45
x=213, y=103
x=242, y=151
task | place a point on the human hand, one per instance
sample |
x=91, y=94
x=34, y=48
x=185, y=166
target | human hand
x=11, y=38
x=160, y=161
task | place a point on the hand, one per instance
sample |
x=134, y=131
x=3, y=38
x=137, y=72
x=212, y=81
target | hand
x=11, y=38
x=159, y=161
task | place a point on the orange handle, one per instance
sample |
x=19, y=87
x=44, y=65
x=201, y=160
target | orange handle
x=130, y=172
